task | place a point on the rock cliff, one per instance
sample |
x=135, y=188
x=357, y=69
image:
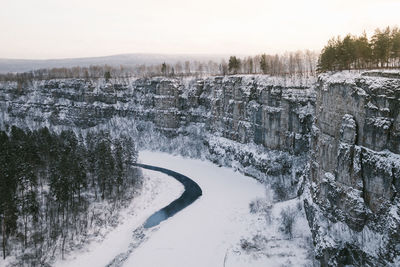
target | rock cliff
x=257, y=124
x=353, y=209
x=338, y=137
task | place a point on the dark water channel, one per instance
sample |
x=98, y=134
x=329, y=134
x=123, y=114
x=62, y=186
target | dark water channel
x=191, y=193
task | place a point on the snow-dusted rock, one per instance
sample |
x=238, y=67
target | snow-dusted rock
x=354, y=214
x=270, y=113
x=347, y=132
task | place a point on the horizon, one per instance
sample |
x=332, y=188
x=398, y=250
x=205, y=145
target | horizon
x=45, y=30
x=129, y=54
x=205, y=55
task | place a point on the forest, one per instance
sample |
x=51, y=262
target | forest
x=382, y=50
x=298, y=63
x=50, y=184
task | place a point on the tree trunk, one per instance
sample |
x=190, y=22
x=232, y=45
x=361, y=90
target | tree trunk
x=3, y=230
x=25, y=231
x=62, y=247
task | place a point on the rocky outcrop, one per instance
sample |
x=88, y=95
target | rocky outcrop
x=345, y=135
x=353, y=208
x=258, y=124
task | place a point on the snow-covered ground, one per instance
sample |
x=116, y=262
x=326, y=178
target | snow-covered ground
x=267, y=245
x=158, y=191
x=210, y=232
x=201, y=234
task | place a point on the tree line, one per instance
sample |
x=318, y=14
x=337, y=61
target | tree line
x=299, y=63
x=382, y=50
x=288, y=64
x=49, y=181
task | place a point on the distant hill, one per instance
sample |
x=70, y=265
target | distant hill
x=22, y=65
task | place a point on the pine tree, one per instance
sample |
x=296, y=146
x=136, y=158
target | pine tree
x=31, y=158
x=234, y=65
x=363, y=51
x=164, y=69
x=348, y=51
x=119, y=165
x=382, y=50
x=8, y=187
x=264, y=64
x=395, y=51
x=327, y=59
x=381, y=45
x=107, y=75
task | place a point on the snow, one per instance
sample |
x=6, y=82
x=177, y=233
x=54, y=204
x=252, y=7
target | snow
x=380, y=122
x=207, y=233
x=304, y=111
x=375, y=79
x=158, y=191
x=275, y=249
x=200, y=234
x=372, y=106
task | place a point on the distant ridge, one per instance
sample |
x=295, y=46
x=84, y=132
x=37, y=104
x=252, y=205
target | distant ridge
x=22, y=65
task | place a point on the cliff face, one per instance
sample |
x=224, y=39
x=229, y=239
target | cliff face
x=347, y=132
x=353, y=209
x=247, y=109
x=261, y=125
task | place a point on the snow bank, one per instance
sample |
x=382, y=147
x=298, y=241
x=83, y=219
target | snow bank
x=207, y=232
x=158, y=191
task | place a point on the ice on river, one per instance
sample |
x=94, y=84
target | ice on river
x=206, y=233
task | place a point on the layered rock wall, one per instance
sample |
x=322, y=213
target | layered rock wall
x=355, y=169
x=245, y=121
x=347, y=132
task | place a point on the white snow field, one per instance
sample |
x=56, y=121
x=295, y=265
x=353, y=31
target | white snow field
x=200, y=234
x=158, y=191
x=209, y=232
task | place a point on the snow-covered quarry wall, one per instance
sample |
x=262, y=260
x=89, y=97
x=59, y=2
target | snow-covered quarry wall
x=345, y=132
x=258, y=124
x=353, y=209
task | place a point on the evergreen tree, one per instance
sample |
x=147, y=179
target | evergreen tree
x=264, y=64
x=381, y=45
x=45, y=185
x=382, y=50
x=234, y=64
x=119, y=165
x=395, y=51
x=164, y=69
x=8, y=187
x=347, y=52
x=363, y=51
x=107, y=75
x=327, y=59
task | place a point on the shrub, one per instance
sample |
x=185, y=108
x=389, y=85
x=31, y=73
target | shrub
x=288, y=216
x=281, y=193
x=257, y=243
x=257, y=205
x=261, y=205
x=299, y=205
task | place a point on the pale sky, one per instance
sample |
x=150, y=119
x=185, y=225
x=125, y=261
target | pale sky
x=40, y=29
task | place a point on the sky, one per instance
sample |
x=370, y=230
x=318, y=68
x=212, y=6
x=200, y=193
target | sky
x=44, y=29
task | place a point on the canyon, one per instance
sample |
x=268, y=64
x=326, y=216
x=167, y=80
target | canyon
x=334, y=140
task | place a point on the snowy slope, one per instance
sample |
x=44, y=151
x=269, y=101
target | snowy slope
x=209, y=232
x=205, y=233
x=200, y=234
x=158, y=191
